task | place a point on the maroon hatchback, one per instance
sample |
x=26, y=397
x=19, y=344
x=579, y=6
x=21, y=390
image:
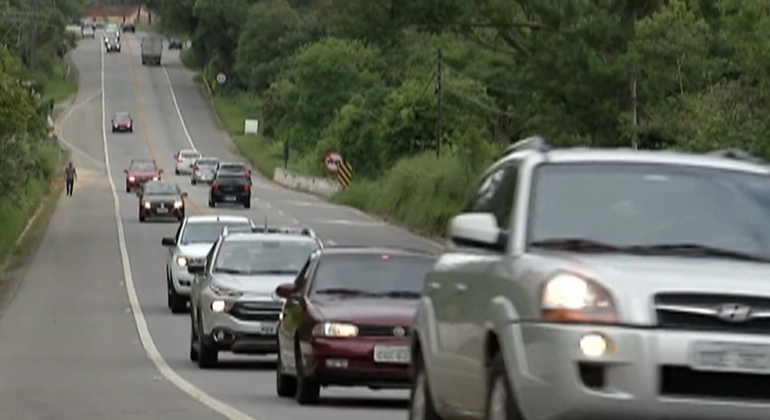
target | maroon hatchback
x=347, y=320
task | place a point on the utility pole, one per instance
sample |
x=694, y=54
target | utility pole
x=439, y=94
x=635, y=97
x=33, y=34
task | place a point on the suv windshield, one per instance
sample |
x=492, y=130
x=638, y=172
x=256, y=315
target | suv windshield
x=196, y=233
x=263, y=257
x=143, y=167
x=206, y=162
x=645, y=206
x=160, y=188
x=379, y=274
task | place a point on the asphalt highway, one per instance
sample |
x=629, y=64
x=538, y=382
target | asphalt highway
x=88, y=334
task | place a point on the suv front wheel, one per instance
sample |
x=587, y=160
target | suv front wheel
x=420, y=401
x=500, y=402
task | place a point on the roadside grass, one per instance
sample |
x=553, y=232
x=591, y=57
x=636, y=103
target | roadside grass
x=63, y=83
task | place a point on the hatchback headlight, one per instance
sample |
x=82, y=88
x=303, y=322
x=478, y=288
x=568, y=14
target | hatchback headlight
x=147, y=204
x=570, y=298
x=335, y=329
x=155, y=178
x=131, y=178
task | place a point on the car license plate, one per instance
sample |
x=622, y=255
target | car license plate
x=162, y=210
x=230, y=198
x=392, y=354
x=730, y=357
x=268, y=329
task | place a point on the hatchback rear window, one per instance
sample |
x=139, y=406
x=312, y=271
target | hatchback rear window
x=189, y=155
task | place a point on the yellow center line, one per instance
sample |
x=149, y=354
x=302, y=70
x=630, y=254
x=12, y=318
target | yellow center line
x=149, y=140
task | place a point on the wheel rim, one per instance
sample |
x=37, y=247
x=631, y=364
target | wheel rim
x=418, y=398
x=498, y=400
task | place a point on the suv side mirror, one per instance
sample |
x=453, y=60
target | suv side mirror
x=286, y=291
x=477, y=230
x=168, y=242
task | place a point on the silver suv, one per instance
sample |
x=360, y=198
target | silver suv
x=233, y=305
x=190, y=245
x=601, y=284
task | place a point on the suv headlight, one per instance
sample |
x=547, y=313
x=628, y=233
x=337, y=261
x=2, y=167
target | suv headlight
x=147, y=204
x=570, y=298
x=335, y=329
x=178, y=204
x=181, y=261
x=224, y=291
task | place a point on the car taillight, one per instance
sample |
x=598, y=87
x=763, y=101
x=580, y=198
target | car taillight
x=195, y=167
x=246, y=187
x=248, y=172
x=179, y=160
x=215, y=187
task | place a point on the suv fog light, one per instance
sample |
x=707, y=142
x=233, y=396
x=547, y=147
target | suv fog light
x=594, y=345
x=337, y=363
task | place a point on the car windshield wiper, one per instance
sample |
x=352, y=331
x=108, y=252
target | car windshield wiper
x=401, y=294
x=227, y=270
x=343, y=291
x=273, y=272
x=694, y=250
x=576, y=244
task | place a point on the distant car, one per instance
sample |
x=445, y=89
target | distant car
x=141, y=171
x=99, y=25
x=204, y=170
x=175, y=44
x=347, y=320
x=112, y=44
x=190, y=245
x=231, y=188
x=234, y=168
x=87, y=31
x=122, y=121
x=185, y=160
x=161, y=199
x=129, y=27
x=233, y=306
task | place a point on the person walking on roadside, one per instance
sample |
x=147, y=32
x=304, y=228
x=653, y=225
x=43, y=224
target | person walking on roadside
x=70, y=175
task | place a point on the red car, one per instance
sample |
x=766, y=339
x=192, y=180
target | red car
x=122, y=121
x=141, y=171
x=346, y=320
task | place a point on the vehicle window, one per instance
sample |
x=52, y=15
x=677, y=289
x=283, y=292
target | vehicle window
x=232, y=167
x=232, y=179
x=204, y=162
x=189, y=155
x=199, y=232
x=160, y=188
x=646, y=205
x=263, y=257
x=210, y=257
x=496, y=193
x=121, y=116
x=301, y=279
x=143, y=167
x=372, y=274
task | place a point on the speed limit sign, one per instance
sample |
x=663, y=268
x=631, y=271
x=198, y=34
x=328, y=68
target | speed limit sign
x=332, y=161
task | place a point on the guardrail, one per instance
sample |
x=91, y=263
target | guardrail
x=316, y=185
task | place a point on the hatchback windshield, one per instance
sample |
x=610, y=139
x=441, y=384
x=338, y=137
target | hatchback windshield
x=263, y=257
x=379, y=274
x=206, y=162
x=143, y=167
x=644, y=206
x=160, y=188
x=190, y=155
x=199, y=232
x=121, y=116
x=232, y=167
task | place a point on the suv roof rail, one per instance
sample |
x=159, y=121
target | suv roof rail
x=538, y=143
x=385, y=248
x=737, y=154
x=227, y=230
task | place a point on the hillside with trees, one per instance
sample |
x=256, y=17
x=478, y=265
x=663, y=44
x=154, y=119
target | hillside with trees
x=361, y=77
x=33, y=74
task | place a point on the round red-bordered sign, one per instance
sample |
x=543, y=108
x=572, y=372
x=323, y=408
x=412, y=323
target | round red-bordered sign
x=333, y=161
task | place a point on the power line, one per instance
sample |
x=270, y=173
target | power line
x=486, y=86
x=480, y=104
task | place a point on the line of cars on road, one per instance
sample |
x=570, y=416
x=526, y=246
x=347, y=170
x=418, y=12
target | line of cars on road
x=578, y=283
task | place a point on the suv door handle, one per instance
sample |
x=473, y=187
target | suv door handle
x=461, y=287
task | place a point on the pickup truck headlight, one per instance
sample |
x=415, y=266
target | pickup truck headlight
x=335, y=329
x=181, y=261
x=570, y=298
x=224, y=291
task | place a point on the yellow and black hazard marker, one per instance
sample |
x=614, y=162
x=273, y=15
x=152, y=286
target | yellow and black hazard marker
x=345, y=174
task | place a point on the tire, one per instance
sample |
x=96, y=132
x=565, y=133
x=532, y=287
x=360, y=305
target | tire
x=207, y=355
x=285, y=385
x=128, y=190
x=176, y=171
x=247, y=203
x=420, y=399
x=113, y=130
x=130, y=130
x=193, y=181
x=193, y=339
x=176, y=303
x=212, y=204
x=499, y=391
x=141, y=218
x=308, y=391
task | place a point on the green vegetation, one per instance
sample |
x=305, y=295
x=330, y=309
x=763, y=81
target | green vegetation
x=359, y=77
x=31, y=76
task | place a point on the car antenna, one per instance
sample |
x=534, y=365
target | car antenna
x=265, y=223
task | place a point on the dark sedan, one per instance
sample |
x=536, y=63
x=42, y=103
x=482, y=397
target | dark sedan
x=349, y=314
x=113, y=44
x=129, y=27
x=175, y=44
x=160, y=199
x=231, y=188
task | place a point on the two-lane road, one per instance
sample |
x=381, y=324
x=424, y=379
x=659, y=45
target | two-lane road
x=75, y=341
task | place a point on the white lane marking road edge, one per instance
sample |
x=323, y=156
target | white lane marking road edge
x=141, y=324
x=178, y=111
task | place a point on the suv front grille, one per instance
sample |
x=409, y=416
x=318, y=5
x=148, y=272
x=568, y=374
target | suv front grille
x=257, y=311
x=706, y=312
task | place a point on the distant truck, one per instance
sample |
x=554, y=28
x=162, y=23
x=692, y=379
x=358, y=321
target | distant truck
x=152, y=49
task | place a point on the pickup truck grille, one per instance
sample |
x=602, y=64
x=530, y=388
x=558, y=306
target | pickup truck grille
x=257, y=311
x=709, y=312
